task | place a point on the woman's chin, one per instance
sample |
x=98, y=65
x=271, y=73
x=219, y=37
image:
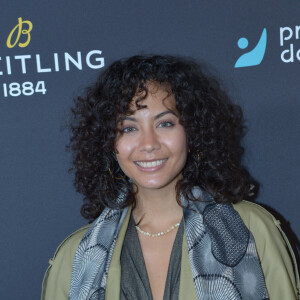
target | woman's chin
x=154, y=185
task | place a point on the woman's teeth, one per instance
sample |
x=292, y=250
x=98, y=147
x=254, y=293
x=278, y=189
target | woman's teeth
x=150, y=164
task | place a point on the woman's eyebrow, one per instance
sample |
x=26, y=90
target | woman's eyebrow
x=154, y=118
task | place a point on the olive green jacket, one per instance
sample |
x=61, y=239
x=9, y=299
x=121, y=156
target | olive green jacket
x=270, y=243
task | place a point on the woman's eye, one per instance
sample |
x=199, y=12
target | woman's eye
x=128, y=129
x=166, y=124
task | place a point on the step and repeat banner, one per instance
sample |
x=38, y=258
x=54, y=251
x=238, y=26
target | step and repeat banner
x=51, y=50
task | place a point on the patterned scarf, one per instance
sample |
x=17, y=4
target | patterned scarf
x=221, y=250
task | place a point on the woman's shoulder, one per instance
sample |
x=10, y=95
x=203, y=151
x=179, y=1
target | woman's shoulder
x=273, y=248
x=57, y=277
x=67, y=248
x=263, y=225
x=72, y=241
x=255, y=215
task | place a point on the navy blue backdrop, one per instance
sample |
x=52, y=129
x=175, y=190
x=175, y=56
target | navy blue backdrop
x=50, y=50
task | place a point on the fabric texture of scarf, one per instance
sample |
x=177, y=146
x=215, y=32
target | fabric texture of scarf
x=221, y=250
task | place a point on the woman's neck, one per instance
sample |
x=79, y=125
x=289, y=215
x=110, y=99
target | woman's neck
x=157, y=209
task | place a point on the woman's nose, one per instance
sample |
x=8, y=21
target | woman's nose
x=149, y=141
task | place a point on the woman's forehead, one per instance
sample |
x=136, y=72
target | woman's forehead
x=158, y=95
x=154, y=100
x=154, y=104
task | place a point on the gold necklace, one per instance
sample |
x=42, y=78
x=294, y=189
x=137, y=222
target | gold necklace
x=159, y=233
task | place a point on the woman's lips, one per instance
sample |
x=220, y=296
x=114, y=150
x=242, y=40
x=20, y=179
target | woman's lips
x=150, y=169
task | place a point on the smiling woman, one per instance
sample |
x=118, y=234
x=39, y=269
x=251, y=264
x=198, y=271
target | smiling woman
x=152, y=147
x=157, y=156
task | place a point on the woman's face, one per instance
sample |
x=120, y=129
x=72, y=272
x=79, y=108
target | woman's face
x=152, y=150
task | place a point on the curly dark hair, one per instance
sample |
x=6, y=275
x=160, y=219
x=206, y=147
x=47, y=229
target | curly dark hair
x=213, y=125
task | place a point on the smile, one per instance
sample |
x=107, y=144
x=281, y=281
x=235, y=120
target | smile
x=151, y=164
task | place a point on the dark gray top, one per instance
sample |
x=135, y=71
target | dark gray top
x=134, y=279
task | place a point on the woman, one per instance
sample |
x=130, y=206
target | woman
x=157, y=156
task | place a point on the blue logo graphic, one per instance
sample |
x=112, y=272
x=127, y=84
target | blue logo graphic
x=255, y=56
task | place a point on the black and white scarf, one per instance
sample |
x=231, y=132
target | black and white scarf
x=221, y=250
